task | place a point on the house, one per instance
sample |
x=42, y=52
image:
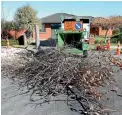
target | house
x=100, y=31
x=52, y=24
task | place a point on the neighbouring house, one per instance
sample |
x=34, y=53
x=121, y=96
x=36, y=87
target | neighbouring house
x=18, y=34
x=100, y=31
x=50, y=25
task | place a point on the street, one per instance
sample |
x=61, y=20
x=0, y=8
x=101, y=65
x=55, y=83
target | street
x=13, y=103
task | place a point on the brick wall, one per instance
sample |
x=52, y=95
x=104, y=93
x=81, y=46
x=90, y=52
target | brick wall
x=16, y=34
x=47, y=34
x=103, y=32
x=100, y=32
x=44, y=35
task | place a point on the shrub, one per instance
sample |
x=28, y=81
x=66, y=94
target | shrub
x=98, y=40
x=115, y=40
x=115, y=32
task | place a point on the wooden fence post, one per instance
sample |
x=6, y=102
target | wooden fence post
x=25, y=39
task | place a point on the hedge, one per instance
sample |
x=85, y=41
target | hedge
x=114, y=32
x=115, y=40
x=102, y=40
x=11, y=42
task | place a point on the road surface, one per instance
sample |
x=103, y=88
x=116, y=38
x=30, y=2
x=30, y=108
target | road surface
x=14, y=104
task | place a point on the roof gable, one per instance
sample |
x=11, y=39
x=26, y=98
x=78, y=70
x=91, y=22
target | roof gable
x=56, y=18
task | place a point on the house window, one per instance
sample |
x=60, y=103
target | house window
x=55, y=26
x=43, y=28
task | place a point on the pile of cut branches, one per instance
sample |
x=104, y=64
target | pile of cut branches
x=117, y=61
x=50, y=73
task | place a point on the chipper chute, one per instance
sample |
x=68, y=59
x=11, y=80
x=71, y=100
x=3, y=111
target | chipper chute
x=74, y=40
x=75, y=34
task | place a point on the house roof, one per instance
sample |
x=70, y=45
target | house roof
x=56, y=18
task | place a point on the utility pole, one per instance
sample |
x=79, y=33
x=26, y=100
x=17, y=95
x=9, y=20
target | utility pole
x=37, y=37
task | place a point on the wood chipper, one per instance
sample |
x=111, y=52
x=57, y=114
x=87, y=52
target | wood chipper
x=75, y=33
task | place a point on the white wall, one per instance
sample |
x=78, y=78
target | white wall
x=87, y=27
x=62, y=26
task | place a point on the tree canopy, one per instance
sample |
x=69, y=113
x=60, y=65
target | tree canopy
x=8, y=25
x=26, y=18
x=110, y=22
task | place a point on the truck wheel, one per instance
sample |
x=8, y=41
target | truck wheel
x=85, y=53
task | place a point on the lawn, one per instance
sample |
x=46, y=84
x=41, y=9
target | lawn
x=98, y=39
x=102, y=39
x=18, y=46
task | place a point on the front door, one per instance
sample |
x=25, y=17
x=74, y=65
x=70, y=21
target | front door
x=54, y=33
x=55, y=28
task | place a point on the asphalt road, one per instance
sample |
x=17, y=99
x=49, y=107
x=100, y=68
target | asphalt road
x=14, y=104
x=113, y=95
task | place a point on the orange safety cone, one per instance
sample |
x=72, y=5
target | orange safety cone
x=118, y=49
x=108, y=44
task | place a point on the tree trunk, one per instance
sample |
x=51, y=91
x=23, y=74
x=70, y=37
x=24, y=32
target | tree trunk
x=106, y=35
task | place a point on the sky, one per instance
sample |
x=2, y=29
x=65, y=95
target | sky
x=80, y=8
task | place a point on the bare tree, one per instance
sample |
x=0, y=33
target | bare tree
x=4, y=31
x=6, y=26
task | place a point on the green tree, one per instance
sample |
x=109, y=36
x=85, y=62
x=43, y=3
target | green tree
x=26, y=18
